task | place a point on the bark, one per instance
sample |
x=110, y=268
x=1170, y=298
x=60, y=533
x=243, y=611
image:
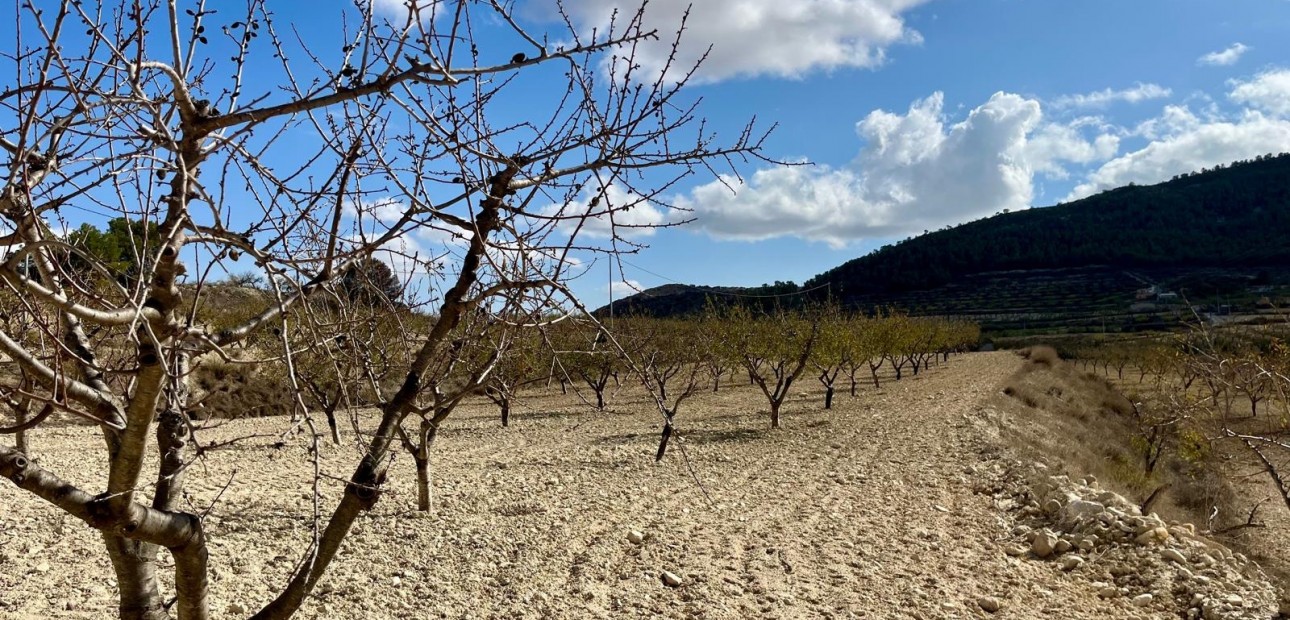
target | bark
x=330, y=412
x=662, y=442
x=774, y=415
x=425, y=437
x=20, y=417
x=506, y=411
x=828, y=397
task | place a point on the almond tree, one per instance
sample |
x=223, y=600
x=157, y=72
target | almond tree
x=669, y=357
x=834, y=350
x=199, y=125
x=775, y=348
x=519, y=368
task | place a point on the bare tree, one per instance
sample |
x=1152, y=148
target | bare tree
x=200, y=125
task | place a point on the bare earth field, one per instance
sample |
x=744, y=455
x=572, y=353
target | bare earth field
x=865, y=511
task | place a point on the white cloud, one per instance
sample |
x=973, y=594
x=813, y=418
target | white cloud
x=1189, y=146
x=1225, y=57
x=782, y=38
x=624, y=288
x=1269, y=91
x=915, y=172
x=1103, y=98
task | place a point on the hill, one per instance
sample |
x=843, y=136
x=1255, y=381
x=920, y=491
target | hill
x=1219, y=237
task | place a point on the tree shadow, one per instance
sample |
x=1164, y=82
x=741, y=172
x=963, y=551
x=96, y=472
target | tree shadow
x=729, y=435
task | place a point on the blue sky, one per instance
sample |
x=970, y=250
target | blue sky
x=913, y=114
x=1073, y=97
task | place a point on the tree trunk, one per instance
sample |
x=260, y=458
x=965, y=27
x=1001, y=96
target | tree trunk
x=716, y=382
x=136, y=575
x=422, y=459
x=828, y=397
x=506, y=411
x=330, y=411
x=662, y=442
x=20, y=417
x=774, y=414
x=331, y=424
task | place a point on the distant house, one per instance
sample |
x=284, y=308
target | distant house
x=1147, y=293
x=1167, y=297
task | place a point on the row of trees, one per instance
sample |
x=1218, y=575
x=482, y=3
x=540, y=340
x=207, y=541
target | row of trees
x=1194, y=389
x=773, y=349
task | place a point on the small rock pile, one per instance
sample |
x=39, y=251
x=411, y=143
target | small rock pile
x=1124, y=553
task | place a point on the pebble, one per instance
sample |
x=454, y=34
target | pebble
x=236, y=609
x=1071, y=562
x=635, y=537
x=1044, y=544
x=1141, y=600
x=988, y=603
x=671, y=579
x=1109, y=592
x=1174, y=555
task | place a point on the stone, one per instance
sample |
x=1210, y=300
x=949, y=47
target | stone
x=635, y=537
x=671, y=580
x=1044, y=544
x=1152, y=536
x=1078, y=510
x=1108, y=592
x=1072, y=562
x=988, y=603
x=236, y=609
x=1062, y=546
x=1141, y=600
x=1174, y=555
x=398, y=581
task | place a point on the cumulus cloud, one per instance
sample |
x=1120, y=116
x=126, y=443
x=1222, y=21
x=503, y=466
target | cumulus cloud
x=1223, y=58
x=1190, y=145
x=763, y=37
x=1104, y=98
x=1269, y=91
x=916, y=171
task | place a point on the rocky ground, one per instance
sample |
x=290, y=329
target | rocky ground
x=899, y=503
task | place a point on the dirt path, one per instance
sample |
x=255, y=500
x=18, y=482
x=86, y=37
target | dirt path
x=867, y=510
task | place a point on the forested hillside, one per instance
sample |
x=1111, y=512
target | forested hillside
x=1237, y=215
